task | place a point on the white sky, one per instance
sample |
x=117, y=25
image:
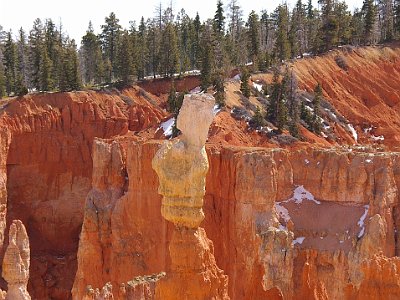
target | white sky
x=76, y=14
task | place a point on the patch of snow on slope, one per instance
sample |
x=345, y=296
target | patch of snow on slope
x=167, y=126
x=282, y=212
x=196, y=90
x=300, y=194
x=237, y=77
x=378, y=138
x=258, y=86
x=216, y=109
x=360, y=223
x=299, y=240
x=353, y=132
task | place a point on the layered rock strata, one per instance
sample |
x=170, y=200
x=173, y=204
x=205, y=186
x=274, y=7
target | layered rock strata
x=181, y=167
x=338, y=238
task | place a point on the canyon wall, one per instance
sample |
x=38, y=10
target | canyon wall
x=308, y=223
x=46, y=145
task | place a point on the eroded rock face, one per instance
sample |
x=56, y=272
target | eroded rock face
x=45, y=151
x=16, y=263
x=182, y=167
x=243, y=188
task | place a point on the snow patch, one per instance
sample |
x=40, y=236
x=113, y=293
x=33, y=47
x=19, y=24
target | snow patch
x=368, y=161
x=216, y=109
x=196, y=90
x=236, y=77
x=353, y=132
x=282, y=212
x=298, y=240
x=300, y=194
x=258, y=86
x=167, y=127
x=306, y=161
x=361, y=223
x=378, y=138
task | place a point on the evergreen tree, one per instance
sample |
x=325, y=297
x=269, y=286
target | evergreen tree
x=253, y=24
x=298, y=30
x=328, y=32
x=369, y=12
x=109, y=41
x=141, y=50
x=397, y=18
x=71, y=79
x=2, y=80
x=219, y=88
x=386, y=18
x=282, y=45
x=219, y=19
x=171, y=102
x=10, y=64
x=22, y=68
x=196, y=48
x=126, y=67
x=169, y=53
x=316, y=123
x=274, y=97
x=154, y=51
x=45, y=80
x=293, y=103
x=35, y=53
x=344, y=19
x=257, y=120
x=244, y=86
x=91, y=58
x=206, y=59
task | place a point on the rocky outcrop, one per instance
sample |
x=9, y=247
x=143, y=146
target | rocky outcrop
x=181, y=167
x=16, y=263
x=49, y=139
x=340, y=205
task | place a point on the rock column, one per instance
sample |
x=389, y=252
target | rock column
x=16, y=263
x=182, y=166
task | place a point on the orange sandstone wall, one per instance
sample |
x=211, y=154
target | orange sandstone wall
x=125, y=236
x=49, y=169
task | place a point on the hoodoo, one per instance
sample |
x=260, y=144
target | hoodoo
x=182, y=166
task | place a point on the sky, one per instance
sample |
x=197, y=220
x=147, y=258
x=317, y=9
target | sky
x=76, y=14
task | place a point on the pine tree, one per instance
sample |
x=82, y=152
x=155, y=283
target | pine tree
x=45, y=81
x=141, y=50
x=244, y=86
x=298, y=30
x=206, y=59
x=292, y=103
x=10, y=64
x=328, y=32
x=316, y=123
x=274, y=98
x=397, y=18
x=91, y=58
x=22, y=67
x=253, y=24
x=369, y=12
x=2, y=80
x=125, y=63
x=386, y=17
x=219, y=19
x=196, y=48
x=257, y=120
x=171, y=102
x=169, y=53
x=35, y=53
x=109, y=41
x=219, y=88
x=282, y=45
x=344, y=18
